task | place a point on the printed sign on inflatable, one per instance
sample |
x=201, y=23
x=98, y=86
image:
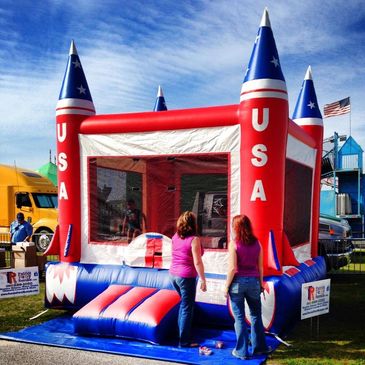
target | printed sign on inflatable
x=125, y=178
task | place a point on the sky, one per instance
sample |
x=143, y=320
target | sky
x=197, y=50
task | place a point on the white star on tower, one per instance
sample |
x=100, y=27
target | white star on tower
x=257, y=38
x=275, y=61
x=82, y=90
x=311, y=105
x=77, y=64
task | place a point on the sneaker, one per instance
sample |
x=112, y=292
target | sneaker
x=203, y=350
x=235, y=354
x=268, y=351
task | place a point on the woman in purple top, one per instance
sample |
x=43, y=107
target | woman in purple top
x=186, y=265
x=245, y=282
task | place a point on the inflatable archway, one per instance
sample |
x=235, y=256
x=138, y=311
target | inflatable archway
x=219, y=161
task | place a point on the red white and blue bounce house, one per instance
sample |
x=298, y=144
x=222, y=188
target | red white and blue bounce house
x=249, y=158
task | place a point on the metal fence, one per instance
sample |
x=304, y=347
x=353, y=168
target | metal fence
x=357, y=262
x=342, y=256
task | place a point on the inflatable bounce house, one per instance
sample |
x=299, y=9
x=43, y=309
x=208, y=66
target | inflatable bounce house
x=221, y=161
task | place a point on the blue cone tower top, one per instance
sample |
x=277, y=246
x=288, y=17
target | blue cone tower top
x=264, y=62
x=307, y=104
x=160, y=104
x=75, y=93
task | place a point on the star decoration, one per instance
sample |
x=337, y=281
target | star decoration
x=275, y=61
x=311, y=105
x=257, y=38
x=82, y=90
x=77, y=64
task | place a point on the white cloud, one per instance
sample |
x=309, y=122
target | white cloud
x=197, y=51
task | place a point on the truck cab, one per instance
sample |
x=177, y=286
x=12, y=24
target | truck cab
x=335, y=241
x=23, y=190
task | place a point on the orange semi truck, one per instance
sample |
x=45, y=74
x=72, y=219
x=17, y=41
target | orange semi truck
x=24, y=190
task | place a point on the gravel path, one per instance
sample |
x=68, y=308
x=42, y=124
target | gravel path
x=18, y=353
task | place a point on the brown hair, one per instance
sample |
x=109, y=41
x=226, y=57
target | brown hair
x=242, y=229
x=186, y=225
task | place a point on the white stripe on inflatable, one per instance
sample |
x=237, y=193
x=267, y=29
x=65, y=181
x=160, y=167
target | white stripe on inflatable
x=74, y=111
x=300, y=152
x=75, y=106
x=264, y=94
x=260, y=84
x=309, y=121
x=72, y=102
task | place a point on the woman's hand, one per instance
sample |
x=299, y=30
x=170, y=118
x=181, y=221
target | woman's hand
x=225, y=291
x=203, y=285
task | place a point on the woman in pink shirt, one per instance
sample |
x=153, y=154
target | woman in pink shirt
x=186, y=265
x=245, y=282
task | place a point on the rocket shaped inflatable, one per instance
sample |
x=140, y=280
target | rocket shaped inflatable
x=160, y=104
x=260, y=153
x=74, y=105
x=264, y=119
x=307, y=115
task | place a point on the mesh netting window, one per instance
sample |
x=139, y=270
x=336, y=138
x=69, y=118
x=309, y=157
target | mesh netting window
x=298, y=197
x=160, y=188
x=111, y=191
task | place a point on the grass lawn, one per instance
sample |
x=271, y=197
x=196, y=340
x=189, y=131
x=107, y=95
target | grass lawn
x=339, y=340
x=15, y=312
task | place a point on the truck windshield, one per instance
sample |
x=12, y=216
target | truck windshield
x=45, y=200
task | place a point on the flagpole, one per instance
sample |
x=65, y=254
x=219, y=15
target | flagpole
x=350, y=117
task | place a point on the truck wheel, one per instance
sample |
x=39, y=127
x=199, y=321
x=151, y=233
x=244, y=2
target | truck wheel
x=42, y=239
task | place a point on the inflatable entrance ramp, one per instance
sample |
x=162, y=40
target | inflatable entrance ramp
x=147, y=314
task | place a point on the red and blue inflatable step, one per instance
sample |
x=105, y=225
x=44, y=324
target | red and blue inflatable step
x=141, y=313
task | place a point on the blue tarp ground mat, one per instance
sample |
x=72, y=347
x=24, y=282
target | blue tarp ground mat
x=59, y=332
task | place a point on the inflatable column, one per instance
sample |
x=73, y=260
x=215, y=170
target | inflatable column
x=74, y=105
x=308, y=116
x=264, y=120
x=160, y=104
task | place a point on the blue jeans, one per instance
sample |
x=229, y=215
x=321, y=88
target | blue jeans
x=241, y=289
x=186, y=288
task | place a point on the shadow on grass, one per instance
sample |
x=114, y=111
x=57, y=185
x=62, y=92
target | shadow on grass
x=334, y=338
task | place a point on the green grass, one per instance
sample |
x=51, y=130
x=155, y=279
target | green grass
x=337, y=338
x=340, y=339
x=15, y=312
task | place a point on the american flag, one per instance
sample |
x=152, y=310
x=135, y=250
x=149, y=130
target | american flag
x=337, y=108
